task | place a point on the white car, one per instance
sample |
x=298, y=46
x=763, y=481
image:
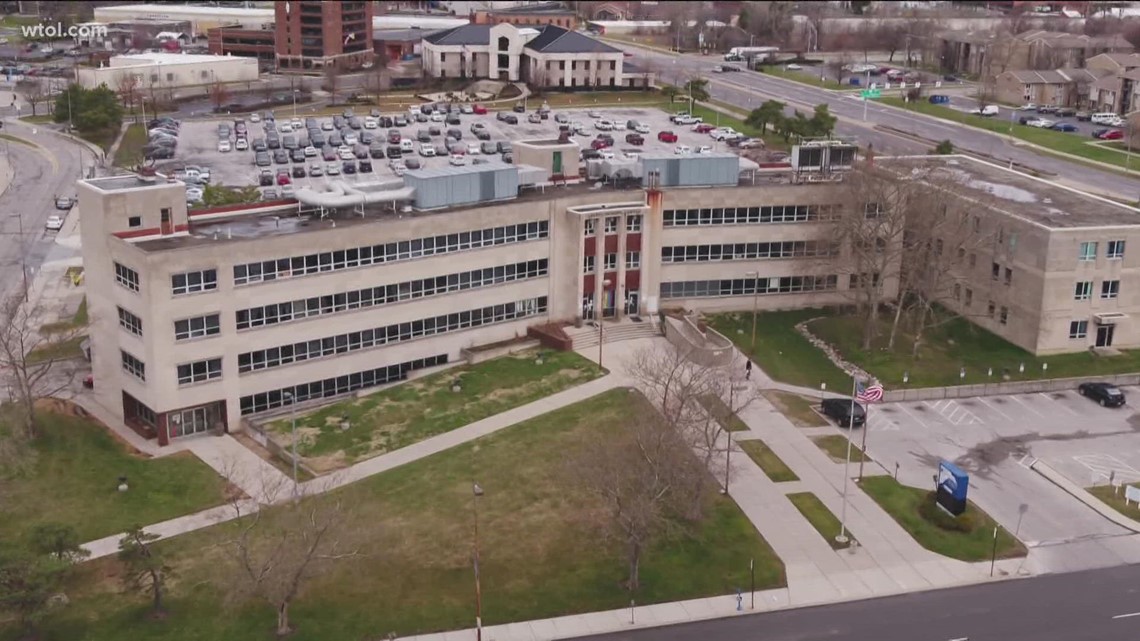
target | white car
x=641, y=128
x=407, y=146
x=437, y=116
x=682, y=150
x=400, y=169
x=1116, y=122
x=687, y=120
x=327, y=126
x=427, y=150
x=593, y=114
x=467, y=109
x=286, y=128
x=288, y=191
x=1029, y=106
x=473, y=148
x=793, y=67
x=332, y=169
x=297, y=124
x=346, y=154
x=704, y=149
x=604, y=125
x=316, y=170
x=241, y=145
x=987, y=110
x=254, y=117
x=606, y=154
x=1041, y=123
x=457, y=160
x=724, y=133
x=311, y=151
x=54, y=223
x=224, y=146
x=350, y=138
x=194, y=195
x=370, y=123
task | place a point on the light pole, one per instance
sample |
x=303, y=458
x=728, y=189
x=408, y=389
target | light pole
x=23, y=254
x=293, y=411
x=294, y=103
x=476, y=492
x=602, y=317
x=727, y=461
x=755, y=276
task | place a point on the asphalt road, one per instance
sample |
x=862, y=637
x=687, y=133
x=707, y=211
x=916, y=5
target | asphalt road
x=1100, y=605
x=749, y=89
x=40, y=175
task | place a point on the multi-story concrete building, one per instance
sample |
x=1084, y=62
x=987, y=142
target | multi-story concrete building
x=314, y=35
x=201, y=319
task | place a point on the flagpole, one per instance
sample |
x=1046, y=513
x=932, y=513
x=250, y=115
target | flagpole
x=863, y=446
x=842, y=538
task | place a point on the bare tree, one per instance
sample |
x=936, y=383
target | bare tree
x=276, y=551
x=378, y=75
x=643, y=474
x=696, y=400
x=219, y=95
x=332, y=82
x=35, y=93
x=891, y=37
x=32, y=361
x=836, y=66
x=127, y=86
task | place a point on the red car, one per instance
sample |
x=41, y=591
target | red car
x=283, y=179
x=1113, y=134
x=635, y=139
x=478, y=109
x=600, y=144
x=703, y=128
x=666, y=136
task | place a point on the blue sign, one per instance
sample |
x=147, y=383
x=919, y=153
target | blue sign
x=953, y=480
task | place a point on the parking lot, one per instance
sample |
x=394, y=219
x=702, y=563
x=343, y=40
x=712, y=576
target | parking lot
x=995, y=439
x=198, y=143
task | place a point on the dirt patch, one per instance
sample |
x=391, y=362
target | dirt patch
x=327, y=463
x=69, y=408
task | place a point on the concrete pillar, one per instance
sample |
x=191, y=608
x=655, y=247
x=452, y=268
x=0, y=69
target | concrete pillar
x=599, y=266
x=620, y=288
x=568, y=73
x=578, y=274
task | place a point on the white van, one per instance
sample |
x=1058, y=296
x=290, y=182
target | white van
x=1103, y=117
x=987, y=110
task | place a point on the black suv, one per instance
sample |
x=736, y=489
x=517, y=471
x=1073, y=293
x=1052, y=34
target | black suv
x=1107, y=394
x=840, y=410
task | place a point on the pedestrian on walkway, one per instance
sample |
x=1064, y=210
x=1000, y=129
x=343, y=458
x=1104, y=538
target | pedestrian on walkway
x=748, y=370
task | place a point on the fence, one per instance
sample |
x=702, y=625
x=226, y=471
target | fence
x=1004, y=388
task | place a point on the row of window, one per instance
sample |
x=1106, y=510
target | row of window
x=328, y=387
x=386, y=253
x=748, y=286
x=387, y=294
x=199, y=371
x=191, y=282
x=610, y=226
x=996, y=273
x=1113, y=249
x=133, y=366
x=748, y=251
x=197, y=327
x=1108, y=289
x=130, y=322
x=396, y=333
x=632, y=261
x=127, y=277
x=751, y=215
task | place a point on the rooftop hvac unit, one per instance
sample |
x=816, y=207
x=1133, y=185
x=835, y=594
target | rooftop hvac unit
x=823, y=157
x=806, y=158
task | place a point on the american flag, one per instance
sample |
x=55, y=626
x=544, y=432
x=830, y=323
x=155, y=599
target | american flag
x=872, y=393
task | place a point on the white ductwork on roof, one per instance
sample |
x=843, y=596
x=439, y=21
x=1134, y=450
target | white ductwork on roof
x=340, y=194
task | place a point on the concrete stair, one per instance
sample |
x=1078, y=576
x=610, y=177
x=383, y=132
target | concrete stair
x=587, y=335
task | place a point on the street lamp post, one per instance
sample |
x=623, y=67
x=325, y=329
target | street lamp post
x=602, y=317
x=294, y=103
x=476, y=492
x=755, y=276
x=293, y=411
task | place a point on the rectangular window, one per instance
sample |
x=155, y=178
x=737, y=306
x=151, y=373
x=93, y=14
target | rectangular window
x=192, y=282
x=199, y=371
x=1083, y=290
x=1087, y=252
x=1079, y=329
x=969, y=297
x=973, y=260
x=1004, y=317
x=197, y=327
x=1109, y=289
x=611, y=224
x=611, y=262
x=127, y=277
x=991, y=309
x=995, y=271
x=133, y=366
x=134, y=222
x=632, y=260
x=1008, y=276
x=633, y=223
x=1115, y=249
x=587, y=264
x=130, y=322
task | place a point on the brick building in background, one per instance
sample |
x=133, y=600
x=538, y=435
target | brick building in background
x=313, y=35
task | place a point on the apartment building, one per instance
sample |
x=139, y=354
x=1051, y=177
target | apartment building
x=202, y=319
x=1049, y=268
x=314, y=35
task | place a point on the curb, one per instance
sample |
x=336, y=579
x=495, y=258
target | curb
x=1082, y=495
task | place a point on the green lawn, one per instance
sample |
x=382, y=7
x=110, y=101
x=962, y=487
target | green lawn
x=42, y=119
x=820, y=518
x=969, y=537
x=75, y=478
x=781, y=351
x=557, y=99
x=539, y=555
x=422, y=408
x=836, y=447
x=799, y=410
x=807, y=76
x=763, y=456
x=130, y=151
x=1114, y=499
x=723, y=414
x=1070, y=143
x=955, y=344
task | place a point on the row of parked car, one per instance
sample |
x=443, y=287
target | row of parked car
x=162, y=138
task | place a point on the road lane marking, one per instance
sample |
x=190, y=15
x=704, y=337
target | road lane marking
x=1058, y=402
x=912, y=415
x=1125, y=616
x=961, y=639
x=1003, y=414
x=1026, y=406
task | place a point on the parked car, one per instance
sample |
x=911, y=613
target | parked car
x=1046, y=109
x=1064, y=126
x=682, y=150
x=54, y=223
x=298, y=171
x=478, y=110
x=241, y=145
x=364, y=166
x=265, y=178
x=666, y=136
x=1029, y=106
x=411, y=162
x=1066, y=112
x=281, y=157
x=427, y=150
x=504, y=146
x=1083, y=116
x=1107, y=394
x=635, y=139
x=64, y=202
x=457, y=160
x=840, y=409
x=332, y=169
x=316, y=170
x=703, y=128
x=261, y=159
x=283, y=177
x=224, y=146
x=939, y=99
x=986, y=110
x=519, y=109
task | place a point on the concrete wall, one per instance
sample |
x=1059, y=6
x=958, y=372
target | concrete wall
x=168, y=75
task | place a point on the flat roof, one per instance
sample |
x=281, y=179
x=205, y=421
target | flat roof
x=164, y=58
x=413, y=21
x=127, y=182
x=1036, y=200
x=184, y=9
